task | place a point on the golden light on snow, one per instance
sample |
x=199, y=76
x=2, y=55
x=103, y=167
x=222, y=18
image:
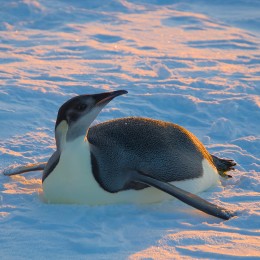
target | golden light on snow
x=21, y=185
x=191, y=64
x=9, y=151
x=202, y=243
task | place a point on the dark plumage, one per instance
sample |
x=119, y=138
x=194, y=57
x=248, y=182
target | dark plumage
x=160, y=149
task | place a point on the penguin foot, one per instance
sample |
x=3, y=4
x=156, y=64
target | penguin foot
x=223, y=166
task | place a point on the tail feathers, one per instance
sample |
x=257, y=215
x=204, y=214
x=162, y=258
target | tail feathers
x=223, y=166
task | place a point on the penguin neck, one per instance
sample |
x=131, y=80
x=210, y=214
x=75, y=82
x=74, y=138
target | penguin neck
x=62, y=141
x=73, y=145
x=60, y=135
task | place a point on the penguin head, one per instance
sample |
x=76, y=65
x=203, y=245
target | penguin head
x=76, y=115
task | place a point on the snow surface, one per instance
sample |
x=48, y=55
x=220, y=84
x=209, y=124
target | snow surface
x=195, y=63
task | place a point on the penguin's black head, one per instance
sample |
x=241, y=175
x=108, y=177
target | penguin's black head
x=72, y=110
x=79, y=112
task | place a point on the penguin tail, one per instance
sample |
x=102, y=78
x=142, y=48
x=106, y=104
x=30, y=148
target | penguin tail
x=223, y=166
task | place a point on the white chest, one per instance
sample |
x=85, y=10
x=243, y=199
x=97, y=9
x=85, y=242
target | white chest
x=71, y=181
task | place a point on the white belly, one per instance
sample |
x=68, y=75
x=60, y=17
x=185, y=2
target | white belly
x=72, y=181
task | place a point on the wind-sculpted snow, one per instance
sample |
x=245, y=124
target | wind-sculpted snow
x=194, y=63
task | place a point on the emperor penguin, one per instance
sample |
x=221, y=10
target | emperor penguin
x=127, y=160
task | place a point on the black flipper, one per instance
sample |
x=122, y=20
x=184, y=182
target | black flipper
x=15, y=170
x=187, y=197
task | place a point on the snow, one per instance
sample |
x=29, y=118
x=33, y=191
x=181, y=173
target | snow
x=194, y=63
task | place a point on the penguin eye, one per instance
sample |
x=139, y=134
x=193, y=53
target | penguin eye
x=81, y=107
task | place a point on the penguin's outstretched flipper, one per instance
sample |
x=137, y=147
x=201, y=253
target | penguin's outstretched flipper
x=186, y=197
x=19, y=169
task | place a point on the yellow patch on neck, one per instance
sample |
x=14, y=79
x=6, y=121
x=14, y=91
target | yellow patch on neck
x=61, y=133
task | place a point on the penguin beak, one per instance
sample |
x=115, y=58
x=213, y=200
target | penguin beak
x=104, y=98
